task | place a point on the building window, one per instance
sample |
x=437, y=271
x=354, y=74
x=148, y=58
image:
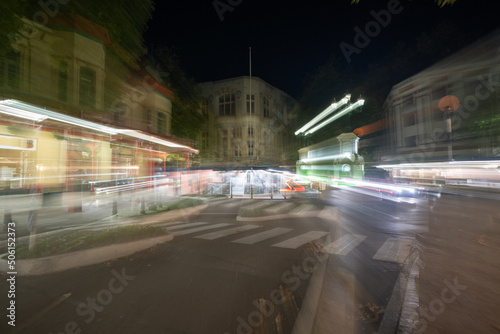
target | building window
x=411, y=141
x=250, y=145
x=149, y=120
x=162, y=123
x=87, y=87
x=237, y=151
x=439, y=93
x=251, y=101
x=204, y=140
x=250, y=131
x=62, y=82
x=225, y=142
x=227, y=105
x=119, y=113
x=407, y=101
x=237, y=132
x=204, y=109
x=410, y=119
x=266, y=107
x=11, y=71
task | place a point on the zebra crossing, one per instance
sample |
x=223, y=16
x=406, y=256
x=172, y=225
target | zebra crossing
x=392, y=250
x=344, y=245
x=268, y=206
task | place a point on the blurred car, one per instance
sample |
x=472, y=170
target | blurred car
x=297, y=190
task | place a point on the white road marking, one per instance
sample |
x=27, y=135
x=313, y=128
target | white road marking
x=394, y=250
x=198, y=229
x=179, y=226
x=280, y=206
x=344, y=245
x=256, y=205
x=226, y=232
x=252, y=239
x=303, y=208
x=300, y=240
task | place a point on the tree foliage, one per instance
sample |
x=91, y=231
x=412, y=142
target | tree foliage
x=334, y=79
x=186, y=118
x=125, y=20
x=10, y=23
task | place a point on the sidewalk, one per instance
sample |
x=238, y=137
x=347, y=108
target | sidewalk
x=458, y=284
x=93, y=216
x=54, y=214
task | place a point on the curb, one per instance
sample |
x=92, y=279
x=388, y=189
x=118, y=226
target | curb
x=162, y=217
x=306, y=319
x=403, y=302
x=57, y=263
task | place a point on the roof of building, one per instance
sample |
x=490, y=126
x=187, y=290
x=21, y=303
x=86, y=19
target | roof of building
x=244, y=77
x=143, y=78
x=81, y=24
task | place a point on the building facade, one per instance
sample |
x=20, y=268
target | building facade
x=418, y=127
x=71, y=111
x=67, y=67
x=249, y=123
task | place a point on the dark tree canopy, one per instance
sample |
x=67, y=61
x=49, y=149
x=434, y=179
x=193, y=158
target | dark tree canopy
x=125, y=20
x=334, y=79
x=186, y=119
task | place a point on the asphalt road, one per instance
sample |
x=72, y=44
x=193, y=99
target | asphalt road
x=220, y=275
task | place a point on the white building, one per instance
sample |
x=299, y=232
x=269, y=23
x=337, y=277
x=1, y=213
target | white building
x=418, y=129
x=249, y=124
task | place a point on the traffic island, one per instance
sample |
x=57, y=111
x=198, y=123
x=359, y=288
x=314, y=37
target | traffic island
x=73, y=249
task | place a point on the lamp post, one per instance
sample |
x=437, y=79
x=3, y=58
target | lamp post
x=448, y=105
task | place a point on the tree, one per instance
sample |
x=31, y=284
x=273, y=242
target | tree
x=10, y=23
x=334, y=79
x=126, y=21
x=187, y=121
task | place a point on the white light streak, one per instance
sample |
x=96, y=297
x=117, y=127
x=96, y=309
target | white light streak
x=353, y=106
x=331, y=108
x=27, y=111
x=330, y=157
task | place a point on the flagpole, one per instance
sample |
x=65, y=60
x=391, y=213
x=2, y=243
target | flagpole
x=251, y=123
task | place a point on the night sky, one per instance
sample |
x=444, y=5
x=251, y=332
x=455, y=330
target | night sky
x=290, y=39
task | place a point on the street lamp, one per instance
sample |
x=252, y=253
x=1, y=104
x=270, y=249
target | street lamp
x=448, y=105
